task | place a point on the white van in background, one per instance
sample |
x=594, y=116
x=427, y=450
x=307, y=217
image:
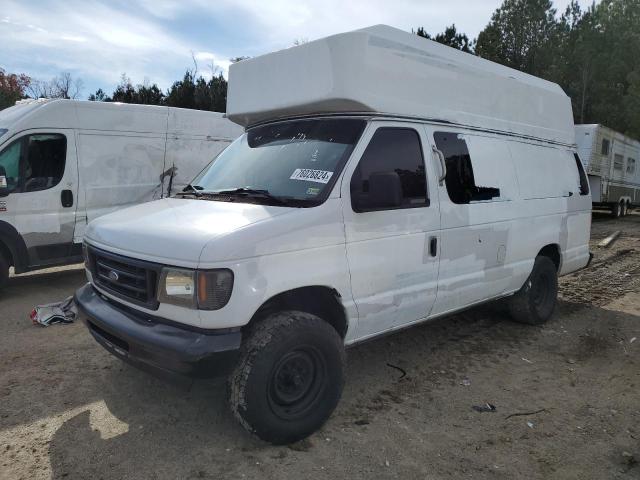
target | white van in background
x=65, y=162
x=383, y=180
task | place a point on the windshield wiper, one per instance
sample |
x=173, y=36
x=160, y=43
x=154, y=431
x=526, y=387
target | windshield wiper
x=191, y=190
x=250, y=192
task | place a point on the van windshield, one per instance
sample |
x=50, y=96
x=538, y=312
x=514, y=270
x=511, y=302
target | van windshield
x=293, y=163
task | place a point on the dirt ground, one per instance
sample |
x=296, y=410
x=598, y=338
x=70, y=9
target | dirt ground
x=70, y=410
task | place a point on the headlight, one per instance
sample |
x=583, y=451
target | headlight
x=203, y=289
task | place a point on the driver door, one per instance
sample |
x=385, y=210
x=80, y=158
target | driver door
x=42, y=178
x=392, y=226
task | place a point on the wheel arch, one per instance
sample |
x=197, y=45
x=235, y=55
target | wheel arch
x=320, y=300
x=12, y=246
x=553, y=252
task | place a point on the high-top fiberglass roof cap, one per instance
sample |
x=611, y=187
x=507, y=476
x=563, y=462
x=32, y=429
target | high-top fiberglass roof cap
x=384, y=70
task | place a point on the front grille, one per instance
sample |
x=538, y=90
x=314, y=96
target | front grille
x=132, y=280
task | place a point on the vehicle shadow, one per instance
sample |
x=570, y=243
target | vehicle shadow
x=148, y=429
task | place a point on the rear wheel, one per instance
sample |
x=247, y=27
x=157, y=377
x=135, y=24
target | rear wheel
x=289, y=377
x=4, y=271
x=535, y=302
x=616, y=210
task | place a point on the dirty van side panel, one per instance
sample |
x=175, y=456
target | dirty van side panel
x=189, y=155
x=480, y=247
x=118, y=170
x=552, y=211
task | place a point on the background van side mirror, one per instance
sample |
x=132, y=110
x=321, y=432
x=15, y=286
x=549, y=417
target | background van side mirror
x=385, y=191
x=4, y=188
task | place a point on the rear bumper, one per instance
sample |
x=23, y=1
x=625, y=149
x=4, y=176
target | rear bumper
x=164, y=349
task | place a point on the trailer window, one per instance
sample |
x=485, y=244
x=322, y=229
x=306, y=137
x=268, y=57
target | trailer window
x=460, y=181
x=618, y=162
x=584, y=183
x=631, y=166
x=604, y=149
x=392, y=152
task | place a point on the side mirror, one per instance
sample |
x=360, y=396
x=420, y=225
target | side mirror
x=4, y=188
x=385, y=191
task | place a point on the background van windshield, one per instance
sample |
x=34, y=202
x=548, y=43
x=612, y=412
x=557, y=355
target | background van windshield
x=297, y=160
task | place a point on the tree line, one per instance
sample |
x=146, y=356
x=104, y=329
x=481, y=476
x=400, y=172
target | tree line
x=594, y=54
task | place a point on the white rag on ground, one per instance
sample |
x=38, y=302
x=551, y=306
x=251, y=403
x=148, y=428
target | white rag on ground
x=60, y=312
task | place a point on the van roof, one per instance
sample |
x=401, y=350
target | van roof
x=384, y=70
x=107, y=116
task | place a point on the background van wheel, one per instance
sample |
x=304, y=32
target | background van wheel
x=535, y=302
x=4, y=272
x=616, y=210
x=289, y=377
x=623, y=209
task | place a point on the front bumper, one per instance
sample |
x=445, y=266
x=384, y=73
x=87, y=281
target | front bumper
x=160, y=347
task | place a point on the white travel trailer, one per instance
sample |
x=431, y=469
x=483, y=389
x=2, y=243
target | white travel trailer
x=383, y=180
x=610, y=159
x=65, y=162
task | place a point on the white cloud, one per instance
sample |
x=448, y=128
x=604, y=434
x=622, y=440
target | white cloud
x=153, y=39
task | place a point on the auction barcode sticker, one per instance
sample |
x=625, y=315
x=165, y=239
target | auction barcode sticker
x=309, y=175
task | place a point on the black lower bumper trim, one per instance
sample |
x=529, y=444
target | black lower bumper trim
x=165, y=350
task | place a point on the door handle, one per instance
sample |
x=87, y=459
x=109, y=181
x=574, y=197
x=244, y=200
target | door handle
x=66, y=198
x=433, y=246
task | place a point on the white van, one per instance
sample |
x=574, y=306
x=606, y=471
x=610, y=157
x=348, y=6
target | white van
x=65, y=162
x=383, y=180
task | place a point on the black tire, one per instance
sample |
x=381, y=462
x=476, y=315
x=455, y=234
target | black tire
x=616, y=210
x=4, y=271
x=535, y=302
x=289, y=377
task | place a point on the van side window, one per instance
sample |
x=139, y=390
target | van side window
x=34, y=162
x=460, y=181
x=391, y=173
x=604, y=149
x=10, y=164
x=44, y=161
x=584, y=183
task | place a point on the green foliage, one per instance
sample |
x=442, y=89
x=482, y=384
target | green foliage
x=593, y=54
x=450, y=37
x=12, y=88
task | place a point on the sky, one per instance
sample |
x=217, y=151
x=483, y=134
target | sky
x=155, y=41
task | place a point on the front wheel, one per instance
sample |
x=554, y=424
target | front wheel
x=4, y=271
x=289, y=377
x=535, y=302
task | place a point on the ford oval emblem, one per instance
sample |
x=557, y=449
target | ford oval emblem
x=113, y=276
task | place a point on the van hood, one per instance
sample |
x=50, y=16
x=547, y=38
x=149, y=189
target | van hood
x=174, y=231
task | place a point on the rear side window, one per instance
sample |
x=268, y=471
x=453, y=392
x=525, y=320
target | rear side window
x=460, y=179
x=584, y=183
x=391, y=173
x=604, y=149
